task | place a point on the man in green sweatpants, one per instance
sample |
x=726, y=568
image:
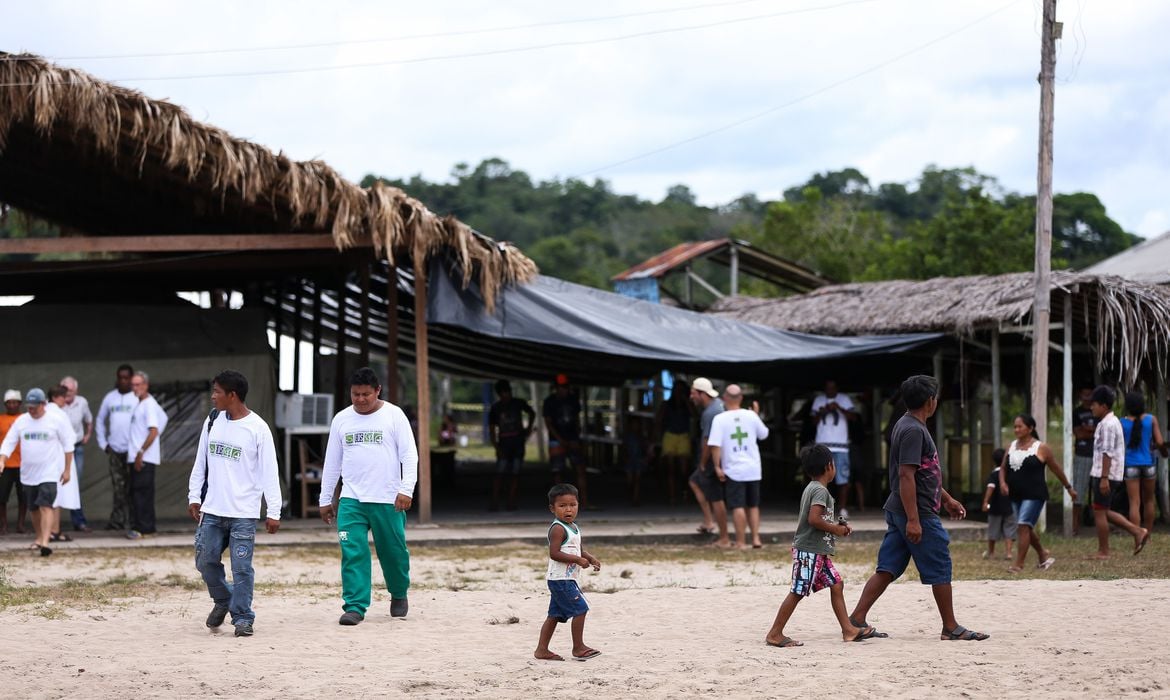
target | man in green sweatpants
x=371, y=450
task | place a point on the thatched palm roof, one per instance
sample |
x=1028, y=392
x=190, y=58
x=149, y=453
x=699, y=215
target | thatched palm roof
x=1124, y=320
x=106, y=159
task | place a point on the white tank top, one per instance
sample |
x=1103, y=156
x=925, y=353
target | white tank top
x=560, y=571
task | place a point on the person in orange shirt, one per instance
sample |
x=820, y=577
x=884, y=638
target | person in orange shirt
x=13, y=402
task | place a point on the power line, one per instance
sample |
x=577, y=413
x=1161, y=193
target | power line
x=402, y=37
x=472, y=54
x=797, y=100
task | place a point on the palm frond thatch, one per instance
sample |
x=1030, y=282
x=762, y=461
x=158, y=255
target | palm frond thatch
x=152, y=138
x=1125, y=321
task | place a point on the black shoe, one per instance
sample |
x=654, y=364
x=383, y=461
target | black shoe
x=244, y=629
x=351, y=618
x=217, y=616
x=398, y=607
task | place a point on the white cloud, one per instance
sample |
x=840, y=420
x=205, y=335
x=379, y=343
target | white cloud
x=970, y=99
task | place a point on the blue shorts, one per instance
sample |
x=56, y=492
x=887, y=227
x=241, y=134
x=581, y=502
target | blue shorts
x=566, y=600
x=932, y=554
x=1027, y=512
x=841, y=459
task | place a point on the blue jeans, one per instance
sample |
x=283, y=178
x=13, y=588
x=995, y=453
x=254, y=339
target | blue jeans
x=238, y=536
x=78, y=516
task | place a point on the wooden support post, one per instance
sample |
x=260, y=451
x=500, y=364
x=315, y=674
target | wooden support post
x=298, y=330
x=339, y=394
x=364, y=331
x=318, y=290
x=996, y=428
x=940, y=423
x=1067, y=410
x=541, y=436
x=278, y=325
x=875, y=433
x=424, y=388
x=392, y=385
x=1162, y=485
x=973, y=452
x=733, y=253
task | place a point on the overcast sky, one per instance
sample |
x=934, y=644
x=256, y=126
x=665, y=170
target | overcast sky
x=887, y=86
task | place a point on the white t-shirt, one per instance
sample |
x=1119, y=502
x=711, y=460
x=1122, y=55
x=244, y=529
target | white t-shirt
x=43, y=443
x=144, y=417
x=79, y=415
x=116, y=409
x=238, y=459
x=736, y=433
x=833, y=427
x=374, y=454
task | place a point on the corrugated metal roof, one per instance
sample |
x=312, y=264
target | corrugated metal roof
x=1147, y=262
x=672, y=259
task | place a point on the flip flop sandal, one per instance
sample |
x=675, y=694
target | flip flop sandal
x=1046, y=564
x=59, y=537
x=1142, y=545
x=962, y=634
x=868, y=634
x=592, y=653
x=875, y=635
x=705, y=530
x=785, y=643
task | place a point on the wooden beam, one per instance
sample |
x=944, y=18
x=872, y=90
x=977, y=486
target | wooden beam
x=339, y=379
x=364, y=283
x=298, y=331
x=424, y=388
x=392, y=386
x=172, y=244
x=318, y=290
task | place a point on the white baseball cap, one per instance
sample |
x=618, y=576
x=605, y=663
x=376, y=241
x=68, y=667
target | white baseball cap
x=12, y=395
x=704, y=385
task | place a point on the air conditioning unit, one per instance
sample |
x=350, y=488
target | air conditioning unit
x=301, y=410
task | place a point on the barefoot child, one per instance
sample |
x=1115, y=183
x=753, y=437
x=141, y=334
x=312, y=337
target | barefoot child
x=1001, y=521
x=817, y=531
x=566, y=558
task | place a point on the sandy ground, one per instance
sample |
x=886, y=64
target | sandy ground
x=665, y=629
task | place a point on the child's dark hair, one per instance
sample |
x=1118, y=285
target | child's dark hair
x=503, y=385
x=815, y=460
x=997, y=456
x=1104, y=396
x=561, y=490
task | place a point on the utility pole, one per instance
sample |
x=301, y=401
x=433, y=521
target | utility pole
x=1042, y=308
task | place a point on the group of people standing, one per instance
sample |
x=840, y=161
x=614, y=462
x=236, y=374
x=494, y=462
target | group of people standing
x=44, y=436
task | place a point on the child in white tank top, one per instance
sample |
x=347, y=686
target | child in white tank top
x=566, y=558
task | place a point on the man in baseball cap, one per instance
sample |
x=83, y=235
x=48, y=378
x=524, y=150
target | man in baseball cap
x=707, y=489
x=703, y=385
x=46, y=447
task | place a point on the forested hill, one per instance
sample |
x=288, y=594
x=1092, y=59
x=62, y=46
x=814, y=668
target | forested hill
x=945, y=222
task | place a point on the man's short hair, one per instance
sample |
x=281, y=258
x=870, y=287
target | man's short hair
x=58, y=392
x=561, y=490
x=232, y=382
x=917, y=390
x=815, y=460
x=1104, y=396
x=144, y=375
x=125, y=368
x=503, y=385
x=68, y=381
x=364, y=377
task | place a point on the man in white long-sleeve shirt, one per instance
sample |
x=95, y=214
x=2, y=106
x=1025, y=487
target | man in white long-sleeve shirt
x=113, y=435
x=371, y=449
x=234, y=466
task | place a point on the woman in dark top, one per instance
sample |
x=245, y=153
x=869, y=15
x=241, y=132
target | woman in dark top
x=1021, y=478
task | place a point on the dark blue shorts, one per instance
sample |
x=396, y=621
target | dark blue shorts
x=932, y=554
x=566, y=601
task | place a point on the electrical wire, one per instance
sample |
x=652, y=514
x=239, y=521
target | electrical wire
x=471, y=54
x=797, y=100
x=403, y=37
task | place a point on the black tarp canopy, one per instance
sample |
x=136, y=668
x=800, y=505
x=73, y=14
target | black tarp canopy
x=550, y=325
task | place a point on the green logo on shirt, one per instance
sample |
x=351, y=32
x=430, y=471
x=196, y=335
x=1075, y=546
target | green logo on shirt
x=364, y=437
x=222, y=449
x=739, y=435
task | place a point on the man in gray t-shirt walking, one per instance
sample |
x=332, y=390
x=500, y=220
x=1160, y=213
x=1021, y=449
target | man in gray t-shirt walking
x=913, y=527
x=708, y=490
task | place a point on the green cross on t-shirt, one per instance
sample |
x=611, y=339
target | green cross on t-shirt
x=739, y=435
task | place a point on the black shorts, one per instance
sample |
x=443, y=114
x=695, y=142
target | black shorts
x=742, y=494
x=39, y=495
x=711, y=487
x=1117, y=500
